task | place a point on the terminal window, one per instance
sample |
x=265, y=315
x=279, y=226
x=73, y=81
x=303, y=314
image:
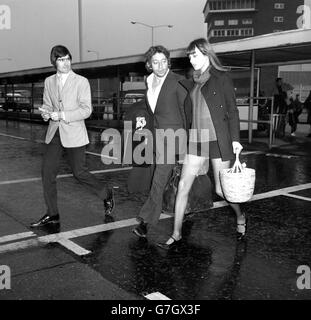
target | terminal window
x=247, y=21
x=219, y=22
x=278, y=19
x=232, y=4
x=279, y=6
x=233, y=22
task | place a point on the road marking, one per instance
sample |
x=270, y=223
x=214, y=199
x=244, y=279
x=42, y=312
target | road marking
x=64, y=175
x=281, y=155
x=25, y=244
x=280, y=192
x=19, y=181
x=156, y=296
x=70, y=245
x=296, y=196
x=100, y=155
x=66, y=235
x=10, y=136
x=245, y=153
x=128, y=222
x=17, y=236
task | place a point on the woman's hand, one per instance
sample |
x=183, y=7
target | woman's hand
x=237, y=147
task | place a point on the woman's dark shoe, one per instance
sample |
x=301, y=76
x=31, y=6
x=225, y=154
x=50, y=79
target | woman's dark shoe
x=241, y=229
x=170, y=246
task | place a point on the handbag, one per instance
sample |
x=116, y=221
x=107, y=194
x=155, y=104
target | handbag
x=200, y=195
x=238, y=183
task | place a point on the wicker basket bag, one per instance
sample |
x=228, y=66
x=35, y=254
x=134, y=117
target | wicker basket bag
x=238, y=183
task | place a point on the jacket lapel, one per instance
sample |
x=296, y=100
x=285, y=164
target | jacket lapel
x=164, y=88
x=187, y=84
x=69, y=82
x=55, y=89
x=147, y=101
x=59, y=94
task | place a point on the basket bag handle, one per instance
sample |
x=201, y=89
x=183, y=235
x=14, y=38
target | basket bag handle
x=237, y=166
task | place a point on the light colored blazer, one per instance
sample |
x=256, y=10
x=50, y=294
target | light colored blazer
x=75, y=101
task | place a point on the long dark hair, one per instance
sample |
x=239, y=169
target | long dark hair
x=205, y=47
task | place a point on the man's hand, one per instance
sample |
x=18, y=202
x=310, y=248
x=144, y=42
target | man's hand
x=237, y=147
x=56, y=116
x=44, y=114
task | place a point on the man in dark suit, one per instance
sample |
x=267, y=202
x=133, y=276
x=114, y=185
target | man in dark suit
x=66, y=104
x=164, y=99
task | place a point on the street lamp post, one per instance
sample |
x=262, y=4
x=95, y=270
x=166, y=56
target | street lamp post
x=98, y=79
x=152, y=28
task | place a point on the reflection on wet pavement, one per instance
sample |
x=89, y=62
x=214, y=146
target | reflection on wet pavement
x=209, y=263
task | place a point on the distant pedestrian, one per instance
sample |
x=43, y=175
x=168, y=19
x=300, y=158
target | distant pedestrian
x=307, y=106
x=282, y=92
x=66, y=104
x=294, y=110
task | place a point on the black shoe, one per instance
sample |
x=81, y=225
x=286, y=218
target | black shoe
x=45, y=220
x=170, y=246
x=109, y=203
x=140, y=230
x=241, y=230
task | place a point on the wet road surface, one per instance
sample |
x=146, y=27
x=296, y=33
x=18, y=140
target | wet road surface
x=91, y=258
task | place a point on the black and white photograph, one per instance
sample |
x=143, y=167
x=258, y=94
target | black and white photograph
x=155, y=154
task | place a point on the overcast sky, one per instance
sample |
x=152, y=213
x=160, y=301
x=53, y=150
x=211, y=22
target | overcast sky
x=37, y=25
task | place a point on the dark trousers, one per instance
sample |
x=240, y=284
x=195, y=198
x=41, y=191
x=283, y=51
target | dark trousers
x=151, y=210
x=50, y=167
x=292, y=121
x=165, y=159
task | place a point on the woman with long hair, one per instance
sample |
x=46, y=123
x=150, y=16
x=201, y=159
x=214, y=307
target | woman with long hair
x=213, y=120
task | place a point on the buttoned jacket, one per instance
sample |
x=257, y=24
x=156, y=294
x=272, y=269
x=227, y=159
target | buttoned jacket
x=75, y=101
x=219, y=95
x=169, y=109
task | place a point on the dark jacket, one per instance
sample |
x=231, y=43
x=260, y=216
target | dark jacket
x=169, y=110
x=138, y=109
x=219, y=94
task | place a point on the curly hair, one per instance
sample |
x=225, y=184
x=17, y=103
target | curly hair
x=152, y=51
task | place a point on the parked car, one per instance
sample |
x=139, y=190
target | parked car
x=130, y=98
x=17, y=101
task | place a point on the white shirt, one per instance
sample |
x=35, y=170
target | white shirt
x=153, y=95
x=62, y=77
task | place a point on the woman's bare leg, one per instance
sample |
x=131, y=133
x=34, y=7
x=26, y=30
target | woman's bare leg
x=184, y=187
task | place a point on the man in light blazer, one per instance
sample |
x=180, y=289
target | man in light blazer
x=66, y=104
x=165, y=103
